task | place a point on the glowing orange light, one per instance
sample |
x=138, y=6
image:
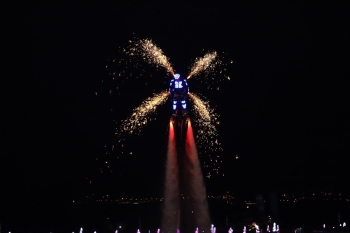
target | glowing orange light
x=203, y=64
x=142, y=114
x=150, y=53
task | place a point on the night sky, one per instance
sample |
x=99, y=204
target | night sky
x=284, y=111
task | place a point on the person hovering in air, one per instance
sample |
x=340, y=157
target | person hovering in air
x=178, y=92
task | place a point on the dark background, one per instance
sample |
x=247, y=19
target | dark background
x=284, y=112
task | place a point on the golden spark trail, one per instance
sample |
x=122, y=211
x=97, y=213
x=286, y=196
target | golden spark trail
x=200, y=108
x=150, y=53
x=204, y=115
x=206, y=133
x=206, y=63
x=141, y=114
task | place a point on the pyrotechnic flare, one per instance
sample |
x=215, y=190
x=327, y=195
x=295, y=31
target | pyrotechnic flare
x=206, y=119
x=171, y=204
x=197, y=186
x=204, y=64
x=150, y=53
x=141, y=114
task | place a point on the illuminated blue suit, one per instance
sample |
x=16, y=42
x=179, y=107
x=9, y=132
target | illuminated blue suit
x=178, y=90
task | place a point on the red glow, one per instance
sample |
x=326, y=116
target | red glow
x=189, y=135
x=171, y=189
x=189, y=123
x=171, y=130
x=190, y=144
x=197, y=186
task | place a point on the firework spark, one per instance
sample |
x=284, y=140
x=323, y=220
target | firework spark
x=204, y=64
x=141, y=114
x=206, y=119
x=150, y=53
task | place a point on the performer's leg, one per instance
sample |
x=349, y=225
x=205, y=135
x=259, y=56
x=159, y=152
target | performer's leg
x=183, y=102
x=174, y=104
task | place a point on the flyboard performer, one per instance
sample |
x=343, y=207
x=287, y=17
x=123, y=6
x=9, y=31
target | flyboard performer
x=178, y=93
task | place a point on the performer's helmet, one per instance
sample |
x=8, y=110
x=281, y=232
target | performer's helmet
x=176, y=76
